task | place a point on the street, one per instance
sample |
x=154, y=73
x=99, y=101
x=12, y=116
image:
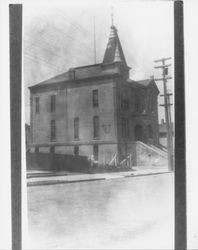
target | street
x=122, y=213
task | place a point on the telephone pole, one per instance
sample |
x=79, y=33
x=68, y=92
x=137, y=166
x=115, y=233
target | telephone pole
x=166, y=105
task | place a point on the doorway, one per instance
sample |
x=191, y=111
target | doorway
x=139, y=133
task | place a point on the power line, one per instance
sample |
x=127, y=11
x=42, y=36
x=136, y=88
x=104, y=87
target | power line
x=65, y=34
x=46, y=49
x=36, y=59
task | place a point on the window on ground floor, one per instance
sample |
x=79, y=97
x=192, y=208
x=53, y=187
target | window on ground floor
x=95, y=152
x=76, y=150
x=53, y=130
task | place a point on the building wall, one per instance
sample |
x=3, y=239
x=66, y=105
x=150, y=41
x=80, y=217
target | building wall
x=75, y=102
x=79, y=103
x=41, y=129
x=71, y=103
x=146, y=117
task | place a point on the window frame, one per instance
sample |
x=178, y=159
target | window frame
x=96, y=152
x=53, y=130
x=95, y=99
x=37, y=105
x=76, y=128
x=53, y=103
x=96, y=127
x=124, y=100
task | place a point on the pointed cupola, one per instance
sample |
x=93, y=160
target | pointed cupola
x=114, y=53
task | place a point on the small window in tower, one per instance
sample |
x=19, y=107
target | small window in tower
x=95, y=98
x=37, y=105
x=53, y=103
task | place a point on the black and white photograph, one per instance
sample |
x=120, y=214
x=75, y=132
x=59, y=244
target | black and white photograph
x=99, y=124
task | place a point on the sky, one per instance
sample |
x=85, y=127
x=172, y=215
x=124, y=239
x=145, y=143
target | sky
x=58, y=35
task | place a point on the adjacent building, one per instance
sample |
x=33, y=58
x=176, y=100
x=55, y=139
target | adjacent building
x=94, y=110
x=163, y=133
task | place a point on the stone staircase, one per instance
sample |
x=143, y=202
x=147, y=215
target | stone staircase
x=150, y=155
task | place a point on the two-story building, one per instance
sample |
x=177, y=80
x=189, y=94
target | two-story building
x=95, y=109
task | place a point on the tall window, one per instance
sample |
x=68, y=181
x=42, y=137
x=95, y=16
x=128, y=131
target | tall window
x=153, y=104
x=138, y=104
x=37, y=105
x=125, y=127
x=53, y=103
x=124, y=100
x=96, y=127
x=95, y=98
x=53, y=130
x=76, y=128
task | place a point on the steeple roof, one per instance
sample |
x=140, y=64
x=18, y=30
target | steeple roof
x=114, y=52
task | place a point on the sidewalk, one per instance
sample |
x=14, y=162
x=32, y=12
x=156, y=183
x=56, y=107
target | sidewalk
x=36, y=178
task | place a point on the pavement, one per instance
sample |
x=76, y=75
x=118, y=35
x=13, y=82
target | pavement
x=36, y=178
x=115, y=213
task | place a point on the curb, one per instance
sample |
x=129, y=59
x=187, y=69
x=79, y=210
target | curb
x=43, y=183
x=140, y=175
x=55, y=182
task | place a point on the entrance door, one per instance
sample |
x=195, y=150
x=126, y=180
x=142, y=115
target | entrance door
x=139, y=133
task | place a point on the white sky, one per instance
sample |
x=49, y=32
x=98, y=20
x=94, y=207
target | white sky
x=59, y=35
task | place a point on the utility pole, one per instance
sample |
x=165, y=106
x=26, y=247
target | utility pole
x=166, y=105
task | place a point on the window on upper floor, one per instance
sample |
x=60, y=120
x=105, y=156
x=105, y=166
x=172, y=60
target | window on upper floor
x=96, y=127
x=95, y=152
x=76, y=128
x=95, y=98
x=138, y=106
x=53, y=103
x=153, y=104
x=53, y=130
x=37, y=105
x=124, y=100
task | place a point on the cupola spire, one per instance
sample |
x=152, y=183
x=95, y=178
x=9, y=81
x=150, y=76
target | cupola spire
x=114, y=52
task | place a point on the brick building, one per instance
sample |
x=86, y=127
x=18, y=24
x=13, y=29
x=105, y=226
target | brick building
x=95, y=109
